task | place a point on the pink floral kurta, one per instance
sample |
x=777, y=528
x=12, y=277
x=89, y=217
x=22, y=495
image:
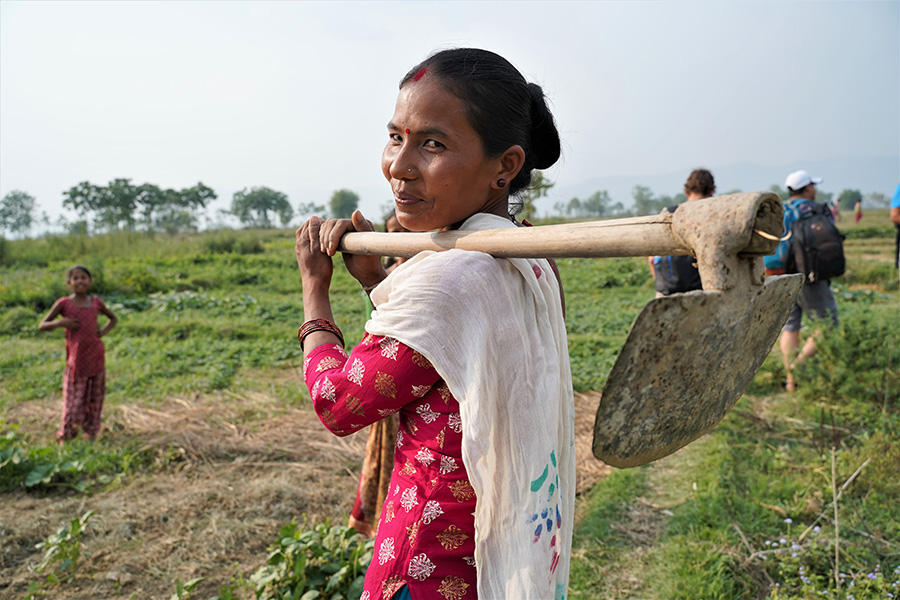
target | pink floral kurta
x=425, y=535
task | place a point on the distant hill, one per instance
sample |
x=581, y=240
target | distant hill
x=866, y=174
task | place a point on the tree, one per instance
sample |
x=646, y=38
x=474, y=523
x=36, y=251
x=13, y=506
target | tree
x=253, y=207
x=308, y=209
x=343, y=203
x=538, y=188
x=877, y=200
x=849, y=198
x=17, y=212
x=645, y=203
x=780, y=192
x=177, y=210
x=597, y=204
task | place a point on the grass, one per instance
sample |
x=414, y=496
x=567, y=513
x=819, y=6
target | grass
x=216, y=313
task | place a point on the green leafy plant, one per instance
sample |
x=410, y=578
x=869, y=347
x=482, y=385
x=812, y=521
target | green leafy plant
x=78, y=464
x=321, y=562
x=62, y=551
x=184, y=591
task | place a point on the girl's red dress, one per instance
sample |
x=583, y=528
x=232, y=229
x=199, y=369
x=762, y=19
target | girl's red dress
x=425, y=536
x=84, y=382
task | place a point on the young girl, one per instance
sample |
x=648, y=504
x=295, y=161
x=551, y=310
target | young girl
x=84, y=382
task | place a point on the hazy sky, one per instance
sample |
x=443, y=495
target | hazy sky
x=296, y=95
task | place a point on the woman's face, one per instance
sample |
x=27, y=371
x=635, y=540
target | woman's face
x=435, y=161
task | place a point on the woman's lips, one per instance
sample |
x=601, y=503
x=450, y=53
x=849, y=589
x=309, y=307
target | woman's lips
x=406, y=199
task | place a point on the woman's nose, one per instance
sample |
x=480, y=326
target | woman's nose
x=403, y=164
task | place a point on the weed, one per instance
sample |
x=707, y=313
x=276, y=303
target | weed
x=311, y=562
x=62, y=551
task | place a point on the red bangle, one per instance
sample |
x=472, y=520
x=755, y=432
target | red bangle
x=314, y=325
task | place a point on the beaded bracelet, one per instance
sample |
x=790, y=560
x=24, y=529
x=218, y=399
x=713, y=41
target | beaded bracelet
x=314, y=325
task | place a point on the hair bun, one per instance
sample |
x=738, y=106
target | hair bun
x=545, y=145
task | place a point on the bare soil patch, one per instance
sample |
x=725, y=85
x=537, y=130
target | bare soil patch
x=238, y=474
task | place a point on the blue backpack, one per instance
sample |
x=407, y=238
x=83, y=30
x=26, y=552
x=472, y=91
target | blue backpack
x=781, y=261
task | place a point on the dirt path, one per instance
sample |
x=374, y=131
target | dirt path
x=234, y=481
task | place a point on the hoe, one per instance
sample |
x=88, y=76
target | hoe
x=688, y=357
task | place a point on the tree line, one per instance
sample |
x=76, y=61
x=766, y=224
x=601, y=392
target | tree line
x=122, y=205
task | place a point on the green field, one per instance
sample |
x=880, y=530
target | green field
x=213, y=317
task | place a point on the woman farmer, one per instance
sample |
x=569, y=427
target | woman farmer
x=470, y=350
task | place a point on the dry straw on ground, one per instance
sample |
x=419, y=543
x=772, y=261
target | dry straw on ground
x=237, y=474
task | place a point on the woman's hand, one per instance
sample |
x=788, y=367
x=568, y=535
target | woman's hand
x=315, y=266
x=367, y=270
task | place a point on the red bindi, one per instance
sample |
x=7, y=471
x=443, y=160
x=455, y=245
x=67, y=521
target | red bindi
x=420, y=74
x=407, y=130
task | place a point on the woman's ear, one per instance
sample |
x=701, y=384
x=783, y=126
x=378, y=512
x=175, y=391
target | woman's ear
x=511, y=162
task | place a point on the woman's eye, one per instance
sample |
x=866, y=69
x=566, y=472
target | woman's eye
x=395, y=137
x=433, y=144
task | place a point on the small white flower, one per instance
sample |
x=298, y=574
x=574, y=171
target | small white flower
x=454, y=421
x=448, y=464
x=408, y=499
x=425, y=457
x=428, y=415
x=357, y=370
x=431, y=511
x=420, y=567
x=386, y=552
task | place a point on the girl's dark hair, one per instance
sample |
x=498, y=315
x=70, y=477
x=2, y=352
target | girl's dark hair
x=700, y=181
x=501, y=106
x=77, y=268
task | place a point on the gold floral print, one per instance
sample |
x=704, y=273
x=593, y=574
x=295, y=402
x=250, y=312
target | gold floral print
x=389, y=511
x=384, y=385
x=412, y=531
x=329, y=362
x=354, y=405
x=444, y=391
x=453, y=588
x=420, y=361
x=462, y=490
x=452, y=538
x=390, y=586
x=408, y=469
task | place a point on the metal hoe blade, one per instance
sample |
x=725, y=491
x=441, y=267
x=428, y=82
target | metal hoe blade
x=689, y=357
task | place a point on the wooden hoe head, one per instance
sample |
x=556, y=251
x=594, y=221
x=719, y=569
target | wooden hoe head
x=688, y=357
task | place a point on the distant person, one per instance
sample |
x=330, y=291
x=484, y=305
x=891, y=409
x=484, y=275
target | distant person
x=816, y=298
x=676, y=274
x=857, y=211
x=836, y=209
x=84, y=381
x=895, y=219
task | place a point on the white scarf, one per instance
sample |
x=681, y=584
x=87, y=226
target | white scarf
x=494, y=331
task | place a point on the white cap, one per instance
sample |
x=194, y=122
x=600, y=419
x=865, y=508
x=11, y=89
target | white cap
x=799, y=180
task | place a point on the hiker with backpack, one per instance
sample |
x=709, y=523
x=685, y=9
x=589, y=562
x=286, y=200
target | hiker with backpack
x=811, y=245
x=677, y=274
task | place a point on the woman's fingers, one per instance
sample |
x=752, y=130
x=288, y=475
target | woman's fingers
x=332, y=230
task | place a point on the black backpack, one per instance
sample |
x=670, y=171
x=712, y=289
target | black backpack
x=676, y=274
x=818, y=246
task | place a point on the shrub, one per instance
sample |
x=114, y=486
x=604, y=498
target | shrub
x=18, y=320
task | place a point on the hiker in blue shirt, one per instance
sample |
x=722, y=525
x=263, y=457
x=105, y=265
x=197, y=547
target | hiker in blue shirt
x=816, y=298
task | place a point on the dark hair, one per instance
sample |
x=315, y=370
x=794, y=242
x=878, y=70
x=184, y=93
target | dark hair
x=501, y=106
x=700, y=181
x=799, y=191
x=77, y=268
